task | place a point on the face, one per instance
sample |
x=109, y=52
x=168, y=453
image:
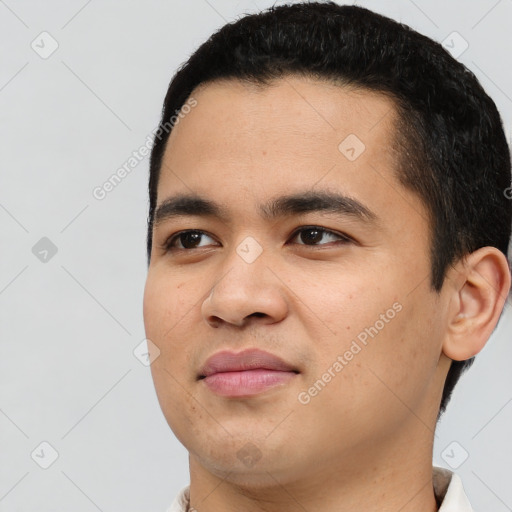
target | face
x=306, y=248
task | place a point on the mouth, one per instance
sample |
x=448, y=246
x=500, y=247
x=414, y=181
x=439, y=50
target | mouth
x=245, y=373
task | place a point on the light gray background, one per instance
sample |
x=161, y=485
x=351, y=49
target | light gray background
x=69, y=325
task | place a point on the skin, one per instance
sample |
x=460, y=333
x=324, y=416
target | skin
x=364, y=441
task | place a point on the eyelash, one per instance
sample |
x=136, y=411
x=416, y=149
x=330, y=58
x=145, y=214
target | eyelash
x=168, y=244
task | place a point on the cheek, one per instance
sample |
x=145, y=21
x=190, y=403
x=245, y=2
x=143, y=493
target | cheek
x=166, y=316
x=385, y=377
x=155, y=301
x=378, y=329
x=399, y=361
x=351, y=303
x=164, y=305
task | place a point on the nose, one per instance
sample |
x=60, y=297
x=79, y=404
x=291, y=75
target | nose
x=246, y=291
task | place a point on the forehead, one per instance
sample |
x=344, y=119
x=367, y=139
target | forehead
x=304, y=113
x=244, y=140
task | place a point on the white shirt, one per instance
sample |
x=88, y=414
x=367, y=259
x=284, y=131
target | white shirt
x=447, y=488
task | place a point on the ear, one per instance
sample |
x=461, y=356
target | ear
x=478, y=286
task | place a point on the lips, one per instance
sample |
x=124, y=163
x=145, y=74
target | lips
x=250, y=359
x=245, y=373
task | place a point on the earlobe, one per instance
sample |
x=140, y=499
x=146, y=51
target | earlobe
x=482, y=283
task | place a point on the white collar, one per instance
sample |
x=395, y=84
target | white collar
x=447, y=488
x=449, y=491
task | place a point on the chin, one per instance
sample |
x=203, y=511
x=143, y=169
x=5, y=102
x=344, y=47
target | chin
x=251, y=474
x=253, y=460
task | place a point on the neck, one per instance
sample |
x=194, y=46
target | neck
x=380, y=478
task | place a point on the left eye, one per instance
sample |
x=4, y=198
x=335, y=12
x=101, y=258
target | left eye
x=311, y=235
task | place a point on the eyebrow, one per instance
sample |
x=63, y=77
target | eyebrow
x=283, y=206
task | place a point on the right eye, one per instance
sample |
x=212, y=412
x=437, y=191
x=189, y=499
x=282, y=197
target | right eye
x=188, y=239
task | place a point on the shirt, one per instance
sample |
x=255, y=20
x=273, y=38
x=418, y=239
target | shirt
x=447, y=489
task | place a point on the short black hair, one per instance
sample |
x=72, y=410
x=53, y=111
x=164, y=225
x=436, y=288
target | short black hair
x=453, y=150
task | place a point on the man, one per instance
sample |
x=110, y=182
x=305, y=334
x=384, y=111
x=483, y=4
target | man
x=327, y=241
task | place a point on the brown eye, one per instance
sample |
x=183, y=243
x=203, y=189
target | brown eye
x=186, y=240
x=311, y=235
